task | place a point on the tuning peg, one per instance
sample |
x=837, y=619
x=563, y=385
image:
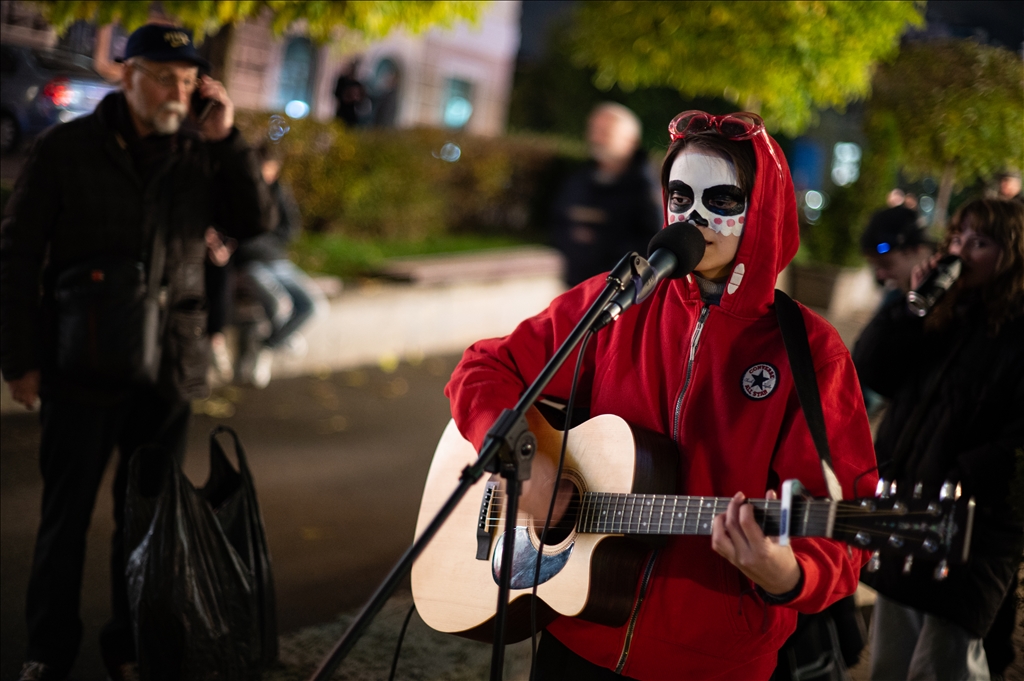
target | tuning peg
x=875, y=562
x=949, y=490
x=930, y=545
x=908, y=563
x=918, y=490
x=895, y=541
x=941, y=570
x=882, y=488
x=862, y=538
x=934, y=508
x=899, y=508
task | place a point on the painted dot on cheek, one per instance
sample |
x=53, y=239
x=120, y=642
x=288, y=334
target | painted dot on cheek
x=672, y=218
x=730, y=222
x=741, y=219
x=718, y=221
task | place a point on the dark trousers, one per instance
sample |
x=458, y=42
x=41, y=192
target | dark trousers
x=555, y=662
x=78, y=439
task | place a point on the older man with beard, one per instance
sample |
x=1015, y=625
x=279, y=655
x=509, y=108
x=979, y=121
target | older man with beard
x=102, y=307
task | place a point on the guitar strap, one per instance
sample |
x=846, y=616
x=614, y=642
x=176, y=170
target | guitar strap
x=794, y=335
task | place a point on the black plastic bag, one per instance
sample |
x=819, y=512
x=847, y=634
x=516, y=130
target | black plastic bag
x=199, y=579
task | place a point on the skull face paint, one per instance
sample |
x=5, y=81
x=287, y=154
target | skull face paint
x=704, y=187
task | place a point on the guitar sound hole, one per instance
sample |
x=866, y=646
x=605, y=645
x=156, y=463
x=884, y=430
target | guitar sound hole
x=561, y=531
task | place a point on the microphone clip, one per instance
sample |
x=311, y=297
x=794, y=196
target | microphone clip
x=635, y=279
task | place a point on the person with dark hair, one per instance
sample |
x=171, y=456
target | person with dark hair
x=612, y=205
x=701, y=361
x=103, y=308
x=955, y=381
x=290, y=299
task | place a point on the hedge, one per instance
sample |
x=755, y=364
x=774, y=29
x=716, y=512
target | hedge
x=395, y=185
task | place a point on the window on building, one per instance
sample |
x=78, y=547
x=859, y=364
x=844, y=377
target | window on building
x=298, y=70
x=457, y=105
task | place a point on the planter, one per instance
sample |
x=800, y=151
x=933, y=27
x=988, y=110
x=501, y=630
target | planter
x=837, y=292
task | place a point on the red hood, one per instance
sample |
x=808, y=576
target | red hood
x=770, y=238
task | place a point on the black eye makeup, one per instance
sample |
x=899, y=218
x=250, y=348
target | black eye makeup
x=680, y=197
x=724, y=199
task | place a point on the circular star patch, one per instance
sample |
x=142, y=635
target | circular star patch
x=759, y=381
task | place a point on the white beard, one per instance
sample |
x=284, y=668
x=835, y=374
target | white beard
x=169, y=117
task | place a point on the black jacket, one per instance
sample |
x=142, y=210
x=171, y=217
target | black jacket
x=971, y=431
x=594, y=223
x=273, y=245
x=88, y=193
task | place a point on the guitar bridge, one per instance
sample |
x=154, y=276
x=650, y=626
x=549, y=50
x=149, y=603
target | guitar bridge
x=483, y=531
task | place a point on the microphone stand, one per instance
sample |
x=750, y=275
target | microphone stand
x=508, y=450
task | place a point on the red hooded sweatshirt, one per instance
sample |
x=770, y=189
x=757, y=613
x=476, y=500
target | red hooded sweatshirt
x=675, y=365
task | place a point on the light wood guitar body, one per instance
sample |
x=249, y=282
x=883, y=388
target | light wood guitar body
x=625, y=479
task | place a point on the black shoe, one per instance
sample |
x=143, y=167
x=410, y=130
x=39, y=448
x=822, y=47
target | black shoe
x=37, y=671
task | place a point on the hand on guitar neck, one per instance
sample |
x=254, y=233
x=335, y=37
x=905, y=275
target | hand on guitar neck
x=737, y=537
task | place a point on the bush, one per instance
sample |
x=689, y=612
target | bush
x=393, y=185
x=834, y=238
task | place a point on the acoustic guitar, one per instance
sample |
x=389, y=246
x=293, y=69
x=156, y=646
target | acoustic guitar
x=624, y=477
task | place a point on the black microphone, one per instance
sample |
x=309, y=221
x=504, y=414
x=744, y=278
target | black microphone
x=674, y=252
x=921, y=300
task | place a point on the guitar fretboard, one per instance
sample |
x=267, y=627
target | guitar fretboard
x=608, y=513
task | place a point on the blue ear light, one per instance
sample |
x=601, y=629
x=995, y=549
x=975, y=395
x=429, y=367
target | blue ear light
x=883, y=247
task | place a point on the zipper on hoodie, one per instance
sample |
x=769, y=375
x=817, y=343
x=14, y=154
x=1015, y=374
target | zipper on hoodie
x=636, y=612
x=694, y=340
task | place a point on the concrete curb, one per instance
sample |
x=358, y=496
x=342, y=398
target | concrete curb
x=386, y=323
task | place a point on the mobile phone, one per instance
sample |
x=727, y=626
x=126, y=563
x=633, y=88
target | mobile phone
x=201, y=106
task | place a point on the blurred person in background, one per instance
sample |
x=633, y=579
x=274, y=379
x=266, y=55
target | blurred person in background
x=955, y=382
x=894, y=243
x=1009, y=185
x=77, y=248
x=219, y=289
x=354, y=105
x=613, y=205
x=288, y=296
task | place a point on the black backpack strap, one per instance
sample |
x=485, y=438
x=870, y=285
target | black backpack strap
x=794, y=335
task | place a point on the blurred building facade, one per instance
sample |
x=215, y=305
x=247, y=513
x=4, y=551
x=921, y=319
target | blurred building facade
x=457, y=78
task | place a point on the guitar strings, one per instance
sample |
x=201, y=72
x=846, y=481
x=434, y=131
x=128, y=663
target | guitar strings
x=814, y=517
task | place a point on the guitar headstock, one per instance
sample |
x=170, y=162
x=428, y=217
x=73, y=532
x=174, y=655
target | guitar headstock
x=932, y=530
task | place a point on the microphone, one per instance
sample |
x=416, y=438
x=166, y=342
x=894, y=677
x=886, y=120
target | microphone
x=921, y=300
x=674, y=252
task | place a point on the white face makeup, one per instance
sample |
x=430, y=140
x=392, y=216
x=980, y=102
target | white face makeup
x=704, y=186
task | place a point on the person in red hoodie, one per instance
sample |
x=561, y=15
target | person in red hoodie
x=702, y=361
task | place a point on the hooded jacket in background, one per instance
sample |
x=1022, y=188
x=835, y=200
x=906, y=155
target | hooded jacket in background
x=676, y=365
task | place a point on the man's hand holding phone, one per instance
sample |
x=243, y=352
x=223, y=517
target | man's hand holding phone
x=213, y=110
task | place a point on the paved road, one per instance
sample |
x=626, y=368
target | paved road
x=339, y=462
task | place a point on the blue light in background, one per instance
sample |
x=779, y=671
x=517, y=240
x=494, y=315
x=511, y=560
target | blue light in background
x=883, y=247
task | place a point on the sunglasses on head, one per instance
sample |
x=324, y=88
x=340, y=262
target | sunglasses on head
x=734, y=126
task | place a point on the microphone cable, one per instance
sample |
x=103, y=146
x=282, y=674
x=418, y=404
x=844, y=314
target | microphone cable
x=554, y=496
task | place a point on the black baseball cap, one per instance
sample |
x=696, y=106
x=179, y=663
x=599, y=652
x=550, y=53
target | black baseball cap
x=893, y=229
x=159, y=42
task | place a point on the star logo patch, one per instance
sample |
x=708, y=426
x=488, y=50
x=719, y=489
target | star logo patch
x=759, y=381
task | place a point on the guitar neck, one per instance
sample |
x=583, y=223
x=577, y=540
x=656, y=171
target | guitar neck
x=605, y=513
